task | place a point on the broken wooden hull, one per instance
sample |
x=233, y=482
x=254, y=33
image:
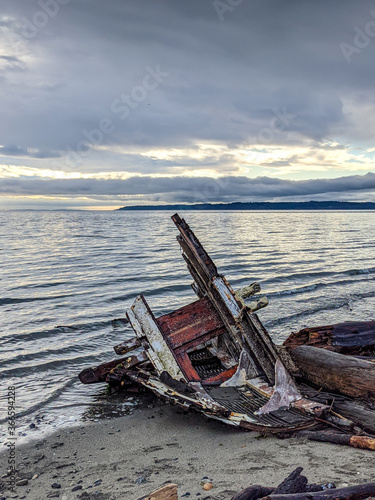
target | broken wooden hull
x=356, y=338
x=215, y=356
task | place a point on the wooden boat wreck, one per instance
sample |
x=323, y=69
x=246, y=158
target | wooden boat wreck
x=215, y=356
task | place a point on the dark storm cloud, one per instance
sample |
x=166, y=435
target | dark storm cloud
x=225, y=77
x=184, y=189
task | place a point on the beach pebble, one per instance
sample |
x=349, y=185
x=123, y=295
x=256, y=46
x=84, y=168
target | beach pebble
x=54, y=494
x=98, y=482
x=32, y=426
x=56, y=486
x=35, y=476
x=208, y=486
x=76, y=488
x=140, y=480
x=22, y=482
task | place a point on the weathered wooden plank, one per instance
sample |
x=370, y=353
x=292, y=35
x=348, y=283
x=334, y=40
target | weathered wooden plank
x=99, y=373
x=166, y=492
x=190, y=373
x=195, y=246
x=144, y=324
x=200, y=340
x=221, y=377
x=189, y=322
x=336, y=372
x=127, y=346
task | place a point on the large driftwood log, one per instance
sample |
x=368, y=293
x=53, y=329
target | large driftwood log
x=357, y=492
x=336, y=372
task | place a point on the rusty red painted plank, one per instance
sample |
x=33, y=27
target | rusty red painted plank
x=221, y=377
x=200, y=340
x=189, y=323
x=187, y=368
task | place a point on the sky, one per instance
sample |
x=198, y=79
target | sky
x=120, y=102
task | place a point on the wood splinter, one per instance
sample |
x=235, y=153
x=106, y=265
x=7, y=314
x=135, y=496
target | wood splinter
x=166, y=492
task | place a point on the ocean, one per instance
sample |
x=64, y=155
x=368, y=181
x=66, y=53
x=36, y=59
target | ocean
x=67, y=276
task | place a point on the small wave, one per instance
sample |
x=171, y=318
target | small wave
x=335, y=304
x=9, y=300
x=55, y=394
x=293, y=291
x=26, y=370
x=320, y=274
x=49, y=284
x=356, y=272
x=315, y=286
x=56, y=330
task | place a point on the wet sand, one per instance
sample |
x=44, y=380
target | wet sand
x=127, y=457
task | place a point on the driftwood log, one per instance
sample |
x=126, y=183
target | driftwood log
x=253, y=493
x=296, y=487
x=363, y=442
x=358, y=492
x=336, y=372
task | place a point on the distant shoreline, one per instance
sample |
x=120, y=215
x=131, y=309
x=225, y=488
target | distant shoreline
x=304, y=205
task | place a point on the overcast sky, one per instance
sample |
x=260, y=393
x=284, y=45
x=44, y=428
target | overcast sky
x=122, y=102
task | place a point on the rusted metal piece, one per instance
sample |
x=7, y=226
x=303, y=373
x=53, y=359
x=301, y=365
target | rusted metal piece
x=215, y=356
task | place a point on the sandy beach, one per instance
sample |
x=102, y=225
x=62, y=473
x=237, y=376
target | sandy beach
x=127, y=457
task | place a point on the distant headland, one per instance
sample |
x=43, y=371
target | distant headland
x=261, y=205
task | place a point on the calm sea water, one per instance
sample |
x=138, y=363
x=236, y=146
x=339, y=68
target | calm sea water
x=65, y=276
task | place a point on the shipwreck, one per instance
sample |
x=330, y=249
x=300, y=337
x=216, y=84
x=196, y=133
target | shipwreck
x=215, y=356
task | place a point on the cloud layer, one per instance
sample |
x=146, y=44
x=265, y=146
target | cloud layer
x=180, y=93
